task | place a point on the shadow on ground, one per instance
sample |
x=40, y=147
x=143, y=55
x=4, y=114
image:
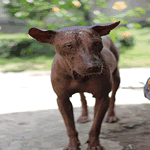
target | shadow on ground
x=45, y=130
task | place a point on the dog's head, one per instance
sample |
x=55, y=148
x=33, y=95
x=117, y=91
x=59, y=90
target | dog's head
x=80, y=46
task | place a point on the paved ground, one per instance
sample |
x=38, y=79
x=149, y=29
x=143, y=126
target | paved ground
x=30, y=119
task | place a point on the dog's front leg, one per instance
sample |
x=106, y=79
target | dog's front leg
x=100, y=109
x=66, y=110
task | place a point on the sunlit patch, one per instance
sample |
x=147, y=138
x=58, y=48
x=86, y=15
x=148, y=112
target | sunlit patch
x=96, y=12
x=125, y=35
x=6, y=1
x=119, y=5
x=114, y=20
x=30, y=1
x=55, y=9
x=138, y=8
x=76, y=3
x=61, y=2
x=18, y=14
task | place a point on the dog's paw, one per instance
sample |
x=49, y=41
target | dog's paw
x=83, y=119
x=111, y=119
x=96, y=148
x=73, y=145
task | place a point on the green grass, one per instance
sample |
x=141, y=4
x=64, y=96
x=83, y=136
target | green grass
x=14, y=36
x=137, y=56
x=26, y=63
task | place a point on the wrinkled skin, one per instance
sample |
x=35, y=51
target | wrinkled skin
x=86, y=60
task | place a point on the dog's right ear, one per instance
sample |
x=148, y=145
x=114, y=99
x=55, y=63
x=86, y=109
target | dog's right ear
x=42, y=36
x=104, y=29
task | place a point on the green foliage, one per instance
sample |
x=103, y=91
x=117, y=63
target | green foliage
x=140, y=10
x=137, y=25
x=135, y=12
x=135, y=56
x=6, y=45
x=23, y=47
x=114, y=36
x=37, y=11
x=127, y=42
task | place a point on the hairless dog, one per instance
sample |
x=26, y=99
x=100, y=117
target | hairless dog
x=86, y=60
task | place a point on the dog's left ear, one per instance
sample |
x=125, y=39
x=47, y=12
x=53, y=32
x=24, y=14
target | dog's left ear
x=104, y=29
x=42, y=36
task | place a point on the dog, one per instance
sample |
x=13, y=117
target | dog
x=86, y=60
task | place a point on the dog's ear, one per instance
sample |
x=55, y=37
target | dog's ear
x=42, y=36
x=104, y=29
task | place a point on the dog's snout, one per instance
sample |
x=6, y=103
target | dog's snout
x=94, y=69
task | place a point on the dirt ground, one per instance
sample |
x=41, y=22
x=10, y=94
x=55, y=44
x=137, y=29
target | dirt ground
x=133, y=129
x=33, y=121
x=45, y=130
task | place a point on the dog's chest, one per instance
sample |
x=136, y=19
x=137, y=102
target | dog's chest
x=93, y=85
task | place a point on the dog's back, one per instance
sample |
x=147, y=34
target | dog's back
x=107, y=41
x=110, y=53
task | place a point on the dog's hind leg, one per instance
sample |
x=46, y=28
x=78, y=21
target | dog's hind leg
x=84, y=116
x=111, y=116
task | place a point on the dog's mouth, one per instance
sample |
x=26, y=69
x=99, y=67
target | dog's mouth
x=86, y=76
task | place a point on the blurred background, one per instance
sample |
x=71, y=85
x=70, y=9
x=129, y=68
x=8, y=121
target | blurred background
x=19, y=52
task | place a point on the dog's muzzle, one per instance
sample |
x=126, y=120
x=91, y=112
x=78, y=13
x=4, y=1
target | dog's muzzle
x=86, y=76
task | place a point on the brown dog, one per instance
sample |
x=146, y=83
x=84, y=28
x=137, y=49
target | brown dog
x=86, y=61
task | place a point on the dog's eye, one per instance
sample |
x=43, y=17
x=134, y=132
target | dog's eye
x=68, y=46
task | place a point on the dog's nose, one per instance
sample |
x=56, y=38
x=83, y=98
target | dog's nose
x=94, y=69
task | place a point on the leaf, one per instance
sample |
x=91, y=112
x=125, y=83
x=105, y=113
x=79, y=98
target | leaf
x=141, y=10
x=23, y=2
x=137, y=25
x=113, y=35
x=87, y=7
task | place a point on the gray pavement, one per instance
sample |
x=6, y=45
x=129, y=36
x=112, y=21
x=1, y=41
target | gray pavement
x=30, y=120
